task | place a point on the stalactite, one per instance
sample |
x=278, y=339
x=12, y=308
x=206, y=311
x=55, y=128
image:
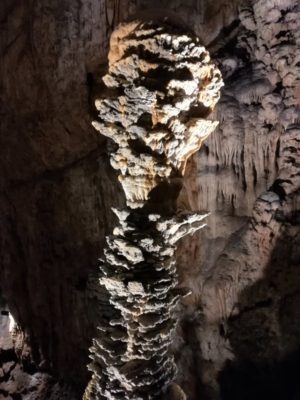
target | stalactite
x=158, y=91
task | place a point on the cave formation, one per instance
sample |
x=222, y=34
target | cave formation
x=160, y=87
x=237, y=332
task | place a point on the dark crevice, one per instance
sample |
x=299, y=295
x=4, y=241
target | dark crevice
x=254, y=172
x=258, y=305
x=278, y=189
x=244, y=183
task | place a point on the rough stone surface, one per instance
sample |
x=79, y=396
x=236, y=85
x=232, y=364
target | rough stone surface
x=248, y=177
x=57, y=189
x=158, y=91
x=21, y=380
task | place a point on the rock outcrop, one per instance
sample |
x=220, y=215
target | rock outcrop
x=160, y=87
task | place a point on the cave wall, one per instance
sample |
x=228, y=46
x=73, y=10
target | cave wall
x=244, y=268
x=57, y=188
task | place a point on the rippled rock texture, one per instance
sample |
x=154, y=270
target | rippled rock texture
x=248, y=176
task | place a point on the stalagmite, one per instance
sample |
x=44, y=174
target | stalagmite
x=158, y=91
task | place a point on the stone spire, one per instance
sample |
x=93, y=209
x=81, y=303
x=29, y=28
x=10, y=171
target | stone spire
x=159, y=89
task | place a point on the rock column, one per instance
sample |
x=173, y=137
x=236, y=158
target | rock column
x=160, y=87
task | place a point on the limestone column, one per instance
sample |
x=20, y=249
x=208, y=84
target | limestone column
x=157, y=94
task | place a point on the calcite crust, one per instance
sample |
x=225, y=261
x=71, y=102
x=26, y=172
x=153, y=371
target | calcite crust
x=158, y=91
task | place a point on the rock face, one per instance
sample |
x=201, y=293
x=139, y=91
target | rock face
x=23, y=381
x=159, y=88
x=248, y=176
x=238, y=331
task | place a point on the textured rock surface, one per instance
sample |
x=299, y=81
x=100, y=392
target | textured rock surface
x=158, y=91
x=246, y=264
x=57, y=190
x=22, y=380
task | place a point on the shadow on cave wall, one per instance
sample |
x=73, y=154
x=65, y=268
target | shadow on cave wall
x=52, y=232
x=265, y=335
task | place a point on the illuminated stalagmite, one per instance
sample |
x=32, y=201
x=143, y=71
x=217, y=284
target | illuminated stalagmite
x=157, y=94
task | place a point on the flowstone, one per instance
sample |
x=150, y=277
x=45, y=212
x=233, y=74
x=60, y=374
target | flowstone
x=159, y=89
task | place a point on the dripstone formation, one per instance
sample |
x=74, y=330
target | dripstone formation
x=160, y=87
